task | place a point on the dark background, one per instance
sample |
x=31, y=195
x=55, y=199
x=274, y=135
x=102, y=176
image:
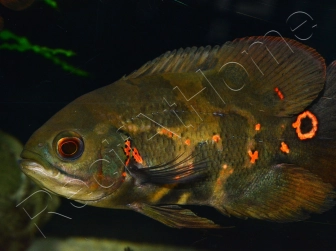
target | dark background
x=113, y=38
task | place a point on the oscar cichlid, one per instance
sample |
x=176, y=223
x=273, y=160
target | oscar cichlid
x=247, y=128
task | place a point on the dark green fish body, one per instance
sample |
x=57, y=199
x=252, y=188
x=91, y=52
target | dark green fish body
x=228, y=127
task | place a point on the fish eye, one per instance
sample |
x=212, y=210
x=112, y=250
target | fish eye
x=69, y=147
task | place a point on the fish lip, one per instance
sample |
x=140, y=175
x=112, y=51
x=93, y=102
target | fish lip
x=34, y=157
x=29, y=166
x=40, y=175
x=28, y=155
x=41, y=171
x=37, y=172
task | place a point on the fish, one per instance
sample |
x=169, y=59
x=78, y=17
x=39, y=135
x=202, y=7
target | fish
x=247, y=128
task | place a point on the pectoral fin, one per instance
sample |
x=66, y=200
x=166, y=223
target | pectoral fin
x=178, y=170
x=283, y=193
x=174, y=216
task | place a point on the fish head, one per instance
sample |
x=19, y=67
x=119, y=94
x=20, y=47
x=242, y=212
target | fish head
x=72, y=154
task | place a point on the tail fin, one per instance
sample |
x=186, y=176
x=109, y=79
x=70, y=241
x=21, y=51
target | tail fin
x=291, y=191
x=324, y=144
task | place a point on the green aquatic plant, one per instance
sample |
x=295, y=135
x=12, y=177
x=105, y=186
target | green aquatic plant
x=22, y=44
x=51, y=3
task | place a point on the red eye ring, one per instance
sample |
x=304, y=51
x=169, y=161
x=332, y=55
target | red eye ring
x=70, y=147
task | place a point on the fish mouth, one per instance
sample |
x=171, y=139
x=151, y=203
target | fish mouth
x=55, y=180
x=37, y=172
x=40, y=171
x=31, y=159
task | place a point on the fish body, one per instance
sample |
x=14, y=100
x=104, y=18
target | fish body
x=234, y=127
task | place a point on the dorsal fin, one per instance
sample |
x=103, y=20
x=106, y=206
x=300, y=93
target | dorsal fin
x=191, y=59
x=282, y=76
x=179, y=61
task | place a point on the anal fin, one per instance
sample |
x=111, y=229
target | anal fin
x=284, y=193
x=174, y=216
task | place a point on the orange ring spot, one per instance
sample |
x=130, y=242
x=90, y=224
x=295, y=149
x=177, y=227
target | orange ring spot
x=297, y=125
x=187, y=142
x=284, y=147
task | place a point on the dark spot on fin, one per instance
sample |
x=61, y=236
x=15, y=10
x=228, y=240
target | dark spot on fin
x=172, y=172
x=174, y=216
x=283, y=193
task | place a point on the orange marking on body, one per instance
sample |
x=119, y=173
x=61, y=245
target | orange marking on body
x=222, y=177
x=297, y=125
x=253, y=156
x=124, y=174
x=99, y=177
x=166, y=132
x=187, y=142
x=127, y=161
x=257, y=127
x=128, y=143
x=284, y=147
x=127, y=148
x=93, y=186
x=281, y=96
x=137, y=156
x=216, y=138
x=99, y=174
